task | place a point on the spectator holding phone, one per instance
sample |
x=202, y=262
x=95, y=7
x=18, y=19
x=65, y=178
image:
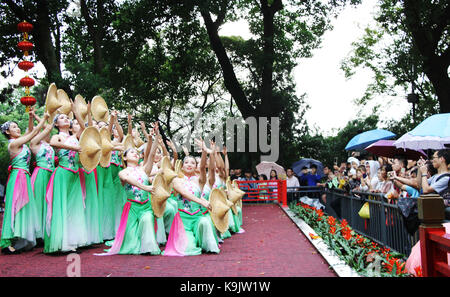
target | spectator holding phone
x=439, y=181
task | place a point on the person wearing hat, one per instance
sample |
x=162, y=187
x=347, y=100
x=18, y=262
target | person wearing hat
x=191, y=231
x=207, y=180
x=88, y=178
x=136, y=232
x=171, y=207
x=45, y=164
x=235, y=218
x=20, y=221
x=66, y=212
x=116, y=165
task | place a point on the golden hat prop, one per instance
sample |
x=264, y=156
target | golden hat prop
x=220, y=206
x=99, y=109
x=159, y=196
x=138, y=141
x=51, y=101
x=128, y=142
x=91, y=148
x=66, y=104
x=107, y=147
x=81, y=107
x=178, y=166
x=235, y=186
x=167, y=171
x=232, y=196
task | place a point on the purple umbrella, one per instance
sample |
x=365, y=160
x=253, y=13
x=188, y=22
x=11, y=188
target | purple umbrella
x=386, y=148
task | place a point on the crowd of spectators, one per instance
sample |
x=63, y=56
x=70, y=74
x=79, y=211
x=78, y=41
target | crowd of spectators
x=396, y=179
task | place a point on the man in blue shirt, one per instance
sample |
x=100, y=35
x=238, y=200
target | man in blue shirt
x=311, y=178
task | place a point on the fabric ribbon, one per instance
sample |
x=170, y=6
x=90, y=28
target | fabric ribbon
x=120, y=232
x=49, y=195
x=35, y=173
x=20, y=194
x=177, y=241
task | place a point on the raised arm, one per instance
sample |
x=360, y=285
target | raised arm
x=154, y=145
x=212, y=166
x=202, y=178
x=119, y=128
x=174, y=150
x=30, y=121
x=130, y=125
x=148, y=146
x=27, y=137
x=220, y=164
x=227, y=164
x=41, y=135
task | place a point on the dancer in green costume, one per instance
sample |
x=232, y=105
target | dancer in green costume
x=136, y=232
x=165, y=222
x=192, y=231
x=116, y=165
x=20, y=221
x=66, y=220
x=45, y=164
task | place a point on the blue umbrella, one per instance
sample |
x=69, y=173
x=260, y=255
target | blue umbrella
x=362, y=140
x=433, y=133
x=297, y=166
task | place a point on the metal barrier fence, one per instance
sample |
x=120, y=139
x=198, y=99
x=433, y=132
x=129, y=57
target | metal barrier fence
x=385, y=226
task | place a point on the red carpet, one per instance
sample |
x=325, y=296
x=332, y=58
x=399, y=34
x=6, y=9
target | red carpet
x=271, y=246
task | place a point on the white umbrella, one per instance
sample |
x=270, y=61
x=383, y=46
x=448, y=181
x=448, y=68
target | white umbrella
x=265, y=167
x=433, y=133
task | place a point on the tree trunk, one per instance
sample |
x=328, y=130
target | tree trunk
x=426, y=37
x=231, y=83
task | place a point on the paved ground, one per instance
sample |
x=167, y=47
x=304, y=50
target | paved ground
x=271, y=246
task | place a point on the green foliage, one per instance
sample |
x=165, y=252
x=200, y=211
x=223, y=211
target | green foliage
x=366, y=257
x=390, y=50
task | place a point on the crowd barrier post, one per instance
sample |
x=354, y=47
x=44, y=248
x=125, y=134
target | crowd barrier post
x=282, y=190
x=434, y=242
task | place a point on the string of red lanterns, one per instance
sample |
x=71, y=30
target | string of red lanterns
x=27, y=82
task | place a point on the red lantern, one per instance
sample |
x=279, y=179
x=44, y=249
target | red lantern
x=24, y=27
x=25, y=46
x=28, y=101
x=26, y=82
x=26, y=65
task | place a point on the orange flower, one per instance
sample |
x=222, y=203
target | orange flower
x=319, y=212
x=333, y=230
x=346, y=233
x=418, y=271
x=399, y=265
x=344, y=223
x=331, y=221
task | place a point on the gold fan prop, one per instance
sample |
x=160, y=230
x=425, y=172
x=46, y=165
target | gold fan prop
x=220, y=207
x=66, y=104
x=107, y=147
x=91, y=148
x=167, y=171
x=51, y=102
x=81, y=107
x=159, y=196
x=99, y=109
